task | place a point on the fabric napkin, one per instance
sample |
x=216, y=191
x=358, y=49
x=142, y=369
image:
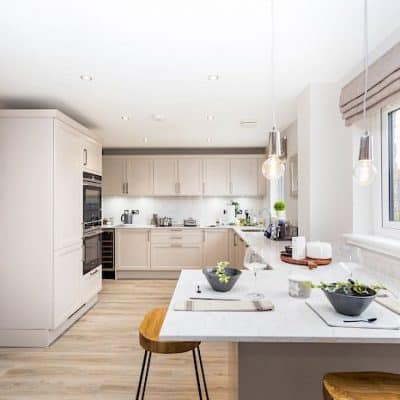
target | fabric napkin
x=224, y=305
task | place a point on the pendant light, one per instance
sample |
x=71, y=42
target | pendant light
x=273, y=167
x=364, y=171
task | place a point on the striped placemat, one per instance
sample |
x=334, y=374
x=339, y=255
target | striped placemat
x=224, y=305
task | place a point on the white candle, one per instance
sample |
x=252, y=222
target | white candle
x=299, y=247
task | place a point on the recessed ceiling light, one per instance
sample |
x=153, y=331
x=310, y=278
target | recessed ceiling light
x=87, y=78
x=125, y=118
x=213, y=77
x=208, y=140
x=210, y=117
x=145, y=140
x=158, y=117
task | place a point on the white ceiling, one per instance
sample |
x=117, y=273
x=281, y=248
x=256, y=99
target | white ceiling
x=153, y=57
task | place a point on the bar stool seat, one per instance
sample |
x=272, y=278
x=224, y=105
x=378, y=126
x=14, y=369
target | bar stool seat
x=361, y=386
x=149, y=335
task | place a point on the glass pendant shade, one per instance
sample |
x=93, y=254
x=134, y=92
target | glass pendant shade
x=273, y=167
x=364, y=171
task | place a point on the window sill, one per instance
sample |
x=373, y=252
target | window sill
x=377, y=244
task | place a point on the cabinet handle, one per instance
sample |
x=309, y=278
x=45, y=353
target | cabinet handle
x=176, y=237
x=176, y=245
x=176, y=230
x=94, y=272
x=234, y=240
x=230, y=188
x=85, y=157
x=127, y=187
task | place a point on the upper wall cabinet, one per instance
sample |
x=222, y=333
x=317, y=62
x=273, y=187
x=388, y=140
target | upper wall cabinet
x=92, y=156
x=216, y=177
x=189, y=177
x=114, y=176
x=165, y=177
x=244, y=177
x=139, y=177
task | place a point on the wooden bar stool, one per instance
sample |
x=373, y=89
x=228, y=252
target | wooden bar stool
x=361, y=386
x=149, y=333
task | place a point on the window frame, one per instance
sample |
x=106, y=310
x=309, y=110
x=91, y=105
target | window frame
x=386, y=159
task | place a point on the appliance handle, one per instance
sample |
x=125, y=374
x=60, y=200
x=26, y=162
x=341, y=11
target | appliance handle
x=84, y=254
x=85, y=154
x=93, y=233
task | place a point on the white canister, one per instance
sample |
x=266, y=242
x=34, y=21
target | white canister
x=299, y=287
x=320, y=250
x=299, y=247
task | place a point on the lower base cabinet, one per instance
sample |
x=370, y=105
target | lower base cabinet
x=132, y=249
x=91, y=284
x=216, y=246
x=176, y=256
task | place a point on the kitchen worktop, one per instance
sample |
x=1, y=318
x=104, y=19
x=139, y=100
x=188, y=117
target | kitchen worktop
x=138, y=226
x=291, y=321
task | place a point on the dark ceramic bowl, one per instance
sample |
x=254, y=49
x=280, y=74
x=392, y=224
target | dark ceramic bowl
x=349, y=305
x=213, y=280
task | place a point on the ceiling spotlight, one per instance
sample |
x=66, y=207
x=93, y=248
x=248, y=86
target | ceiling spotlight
x=87, y=78
x=211, y=117
x=125, y=118
x=158, y=117
x=213, y=77
x=208, y=140
x=145, y=140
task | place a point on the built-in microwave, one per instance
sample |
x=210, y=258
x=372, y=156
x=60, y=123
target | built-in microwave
x=92, y=250
x=91, y=202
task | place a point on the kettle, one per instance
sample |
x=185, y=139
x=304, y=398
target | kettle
x=126, y=217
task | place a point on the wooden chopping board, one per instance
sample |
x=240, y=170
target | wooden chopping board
x=311, y=263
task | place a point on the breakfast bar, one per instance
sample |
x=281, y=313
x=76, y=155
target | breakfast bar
x=282, y=354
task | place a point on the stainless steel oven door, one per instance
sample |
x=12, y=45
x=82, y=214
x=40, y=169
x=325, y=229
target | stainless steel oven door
x=91, y=251
x=91, y=202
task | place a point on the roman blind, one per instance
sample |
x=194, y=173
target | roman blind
x=383, y=87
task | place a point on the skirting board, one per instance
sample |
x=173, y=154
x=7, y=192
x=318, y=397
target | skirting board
x=41, y=337
x=147, y=274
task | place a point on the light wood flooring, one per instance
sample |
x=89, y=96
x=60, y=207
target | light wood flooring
x=100, y=357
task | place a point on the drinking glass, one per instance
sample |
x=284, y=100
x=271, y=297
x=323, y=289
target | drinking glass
x=254, y=263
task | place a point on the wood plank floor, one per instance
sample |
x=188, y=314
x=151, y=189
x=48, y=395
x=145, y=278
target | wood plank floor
x=100, y=357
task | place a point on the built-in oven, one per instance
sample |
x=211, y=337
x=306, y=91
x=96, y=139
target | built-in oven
x=92, y=250
x=91, y=202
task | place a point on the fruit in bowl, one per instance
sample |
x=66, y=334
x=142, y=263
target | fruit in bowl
x=349, y=298
x=222, y=278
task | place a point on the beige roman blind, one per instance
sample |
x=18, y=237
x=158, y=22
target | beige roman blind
x=383, y=87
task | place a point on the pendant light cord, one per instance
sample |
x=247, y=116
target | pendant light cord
x=365, y=67
x=273, y=64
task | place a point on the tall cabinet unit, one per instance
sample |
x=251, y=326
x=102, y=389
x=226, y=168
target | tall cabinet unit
x=41, y=166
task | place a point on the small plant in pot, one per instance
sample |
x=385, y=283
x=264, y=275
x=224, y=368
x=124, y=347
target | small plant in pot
x=280, y=209
x=222, y=278
x=349, y=298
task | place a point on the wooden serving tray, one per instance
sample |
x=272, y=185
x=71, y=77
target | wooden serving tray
x=310, y=262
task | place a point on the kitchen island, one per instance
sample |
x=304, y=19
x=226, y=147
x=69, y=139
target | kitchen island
x=283, y=354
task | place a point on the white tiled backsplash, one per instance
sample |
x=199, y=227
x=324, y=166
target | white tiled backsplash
x=206, y=210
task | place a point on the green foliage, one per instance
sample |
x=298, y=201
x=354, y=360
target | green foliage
x=353, y=288
x=280, y=206
x=222, y=276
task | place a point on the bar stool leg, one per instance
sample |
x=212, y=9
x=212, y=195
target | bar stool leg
x=202, y=372
x=197, y=374
x=147, y=374
x=141, y=375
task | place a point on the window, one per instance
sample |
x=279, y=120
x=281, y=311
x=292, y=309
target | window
x=391, y=168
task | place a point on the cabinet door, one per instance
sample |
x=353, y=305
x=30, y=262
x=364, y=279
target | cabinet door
x=165, y=177
x=140, y=176
x=175, y=256
x=67, y=283
x=67, y=186
x=216, y=247
x=244, y=177
x=114, y=176
x=132, y=249
x=262, y=180
x=190, y=177
x=241, y=251
x=216, y=177
x=92, y=156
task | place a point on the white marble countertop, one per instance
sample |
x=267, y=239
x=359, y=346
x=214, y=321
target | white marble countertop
x=291, y=321
x=138, y=226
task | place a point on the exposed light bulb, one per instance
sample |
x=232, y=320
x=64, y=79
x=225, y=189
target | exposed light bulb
x=273, y=168
x=364, y=172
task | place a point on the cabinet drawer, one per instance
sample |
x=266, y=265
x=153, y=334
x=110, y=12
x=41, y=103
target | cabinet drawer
x=176, y=256
x=183, y=236
x=91, y=284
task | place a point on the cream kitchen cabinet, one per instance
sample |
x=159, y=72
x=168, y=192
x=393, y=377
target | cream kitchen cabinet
x=244, y=176
x=237, y=249
x=175, y=256
x=189, y=176
x=216, y=177
x=216, y=246
x=132, y=249
x=139, y=177
x=114, y=176
x=92, y=156
x=165, y=177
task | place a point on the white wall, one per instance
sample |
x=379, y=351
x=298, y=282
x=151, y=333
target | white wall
x=325, y=165
x=291, y=202
x=206, y=209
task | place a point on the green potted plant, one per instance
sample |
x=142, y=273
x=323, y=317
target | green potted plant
x=280, y=209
